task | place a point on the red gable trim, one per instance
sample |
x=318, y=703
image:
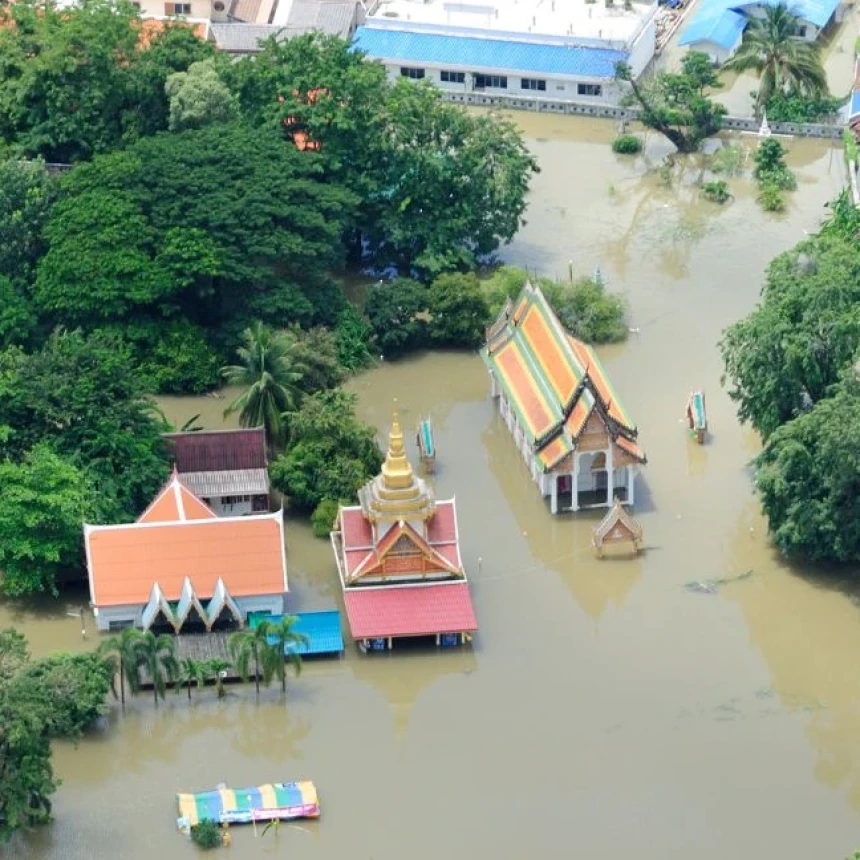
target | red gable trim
x=374, y=559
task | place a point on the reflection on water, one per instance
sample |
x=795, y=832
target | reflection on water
x=602, y=701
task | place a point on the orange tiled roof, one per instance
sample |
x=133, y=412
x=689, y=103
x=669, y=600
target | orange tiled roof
x=175, y=503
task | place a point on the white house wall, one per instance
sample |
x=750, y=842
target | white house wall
x=643, y=48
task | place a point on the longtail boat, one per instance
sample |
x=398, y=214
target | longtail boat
x=696, y=417
x=426, y=445
x=278, y=800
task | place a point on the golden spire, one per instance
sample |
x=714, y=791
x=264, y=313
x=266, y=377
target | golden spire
x=396, y=470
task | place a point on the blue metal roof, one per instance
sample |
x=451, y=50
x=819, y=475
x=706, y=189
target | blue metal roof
x=471, y=52
x=855, y=103
x=721, y=21
x=321, y=628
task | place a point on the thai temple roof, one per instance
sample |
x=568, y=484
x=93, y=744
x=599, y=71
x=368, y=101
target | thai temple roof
x=553, y=381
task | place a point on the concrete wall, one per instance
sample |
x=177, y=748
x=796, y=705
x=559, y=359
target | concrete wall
x=200, y=9
x=642, y=51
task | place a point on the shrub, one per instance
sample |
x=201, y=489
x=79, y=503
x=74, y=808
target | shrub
x=355, y=340
x=771, y=199
x=852, y=151
x=793, y=107
x=323, y=517
x=396, y=311
x=458, y=311
x=770, y=166
x=729, y=159
x=627, y=144
x=206, y=835
x=717, y=191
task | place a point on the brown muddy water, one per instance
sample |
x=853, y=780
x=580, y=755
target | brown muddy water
x=606, y=710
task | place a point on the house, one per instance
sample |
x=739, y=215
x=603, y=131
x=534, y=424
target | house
x=182, y=565
x=517, y=49
x=227, y=469
x=717, y=26
x=577, y=439
x=398, y=558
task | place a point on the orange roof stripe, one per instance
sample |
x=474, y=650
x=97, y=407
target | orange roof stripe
x=630, y=447
x=600, y=382
x=519, y=378
x=548, y=351
x=553, y=452
x=579, y=414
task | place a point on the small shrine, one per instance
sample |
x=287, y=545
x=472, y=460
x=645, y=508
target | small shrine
x=398, y=557
x=617, y=527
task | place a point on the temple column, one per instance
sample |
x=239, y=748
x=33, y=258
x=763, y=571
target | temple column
x=553, y=502
x=574, y=478
x=610, y=476
x=630, y=477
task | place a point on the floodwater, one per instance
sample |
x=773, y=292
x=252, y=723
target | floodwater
x=606, y=710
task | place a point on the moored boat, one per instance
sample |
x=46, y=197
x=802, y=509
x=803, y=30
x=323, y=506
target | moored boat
x=696, y=417
x=426, y=444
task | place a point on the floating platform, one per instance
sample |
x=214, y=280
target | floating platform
x=697, y=419
x=426, y=445
x=278, y=800
x=322, y=630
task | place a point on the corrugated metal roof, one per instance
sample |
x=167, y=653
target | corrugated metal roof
x=233, y=482
x=336, y=19
x=321, y=628
x=243, y=38
x=722, y=21
x=477, y=53
x=218, y=450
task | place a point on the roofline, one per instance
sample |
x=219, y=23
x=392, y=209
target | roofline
x=89, y=564
x=177, y=433
x=461, y=580
x=280, y=516
x=89, y=528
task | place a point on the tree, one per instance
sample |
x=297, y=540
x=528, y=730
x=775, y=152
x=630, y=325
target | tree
x=355, y=340
x=198, y=97
x=252, y=646
x=217, y=670
x=396, y=312
x=329, y=453
x=770, y=166
x=270, y=374
x=808, y=477
x=17, y=319
x=458, y=311
x=121, y=649
x=784, y=61
x=316, y=350
x=190, y=671
x=45, y=500
x=285, y=645
x=83, y=79
x=82, y=396
x=323, y=517
x=157, y=658
x=675, y=104
x=786, y=355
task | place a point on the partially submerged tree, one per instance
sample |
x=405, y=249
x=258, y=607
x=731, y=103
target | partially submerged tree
x=285, y=645
x=676, y=104
x=120, y=649
x=156, y=655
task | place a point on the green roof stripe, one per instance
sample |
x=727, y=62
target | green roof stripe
x=616, y=400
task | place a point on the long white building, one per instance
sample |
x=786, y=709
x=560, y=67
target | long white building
x=560, y=50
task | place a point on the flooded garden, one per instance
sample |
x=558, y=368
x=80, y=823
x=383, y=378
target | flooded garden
x=698, y=700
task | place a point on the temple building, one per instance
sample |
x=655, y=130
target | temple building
x=182, y=566
x=227, y=469
x=398, y=557
x=577, y=439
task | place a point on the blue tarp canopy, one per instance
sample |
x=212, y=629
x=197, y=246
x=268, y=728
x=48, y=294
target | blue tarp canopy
x=321, y=628
x=467, y=52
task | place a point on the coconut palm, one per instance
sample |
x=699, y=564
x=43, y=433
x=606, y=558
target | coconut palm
x=121, y=650
x=157, y=656
x=190, y=672
x=782, y=59
x=253, y=646
x=269, y=372
x=217, y=670
x=284, y=640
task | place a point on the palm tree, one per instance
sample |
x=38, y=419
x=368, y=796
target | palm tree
x=782, y=59
x=121, y=650
x=269, y=371
x=190, y=672
x=157, y=655
x=285, y=640
x=246, y=646
x=217, y=669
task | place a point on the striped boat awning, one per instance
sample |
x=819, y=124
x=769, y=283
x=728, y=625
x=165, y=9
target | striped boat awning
x=279, y=800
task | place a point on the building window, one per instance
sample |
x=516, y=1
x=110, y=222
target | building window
x=534, y=84
x=589, y=90
x=415, y=74
x=499, y=82
x=452, y=77
x=177, y=8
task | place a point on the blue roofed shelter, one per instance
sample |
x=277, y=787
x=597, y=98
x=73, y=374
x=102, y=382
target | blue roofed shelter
x=322, y=630
x=717, y=26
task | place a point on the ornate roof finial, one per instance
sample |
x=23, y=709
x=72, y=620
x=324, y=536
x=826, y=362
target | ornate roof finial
x=396, y=470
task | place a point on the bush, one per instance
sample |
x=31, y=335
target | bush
x=458, y=311
x=770, y=166
x=206, y=835
x=729, y=159
x=627, y=144
x=396, y=311
x=323, y=517
x=793, y=107
x=717, y=191
x=355, y=340
x=771, y=199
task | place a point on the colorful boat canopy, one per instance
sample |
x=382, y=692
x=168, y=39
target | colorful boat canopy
x=279, y=800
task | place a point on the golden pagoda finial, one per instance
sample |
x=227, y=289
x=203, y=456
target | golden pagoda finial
x=396, y=470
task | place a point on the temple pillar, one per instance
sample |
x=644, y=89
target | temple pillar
x=553, y=501
x=630, y=478
x=610, y=476
x=574, y=479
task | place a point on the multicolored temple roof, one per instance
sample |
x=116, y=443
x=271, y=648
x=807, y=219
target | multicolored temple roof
x=552, y=381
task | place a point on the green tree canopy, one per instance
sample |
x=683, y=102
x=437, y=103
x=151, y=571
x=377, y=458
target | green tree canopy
x=784, y=61
x=329, y=453
x=676, y=104
x=198, y=97
x=396, y=311
x=458, y=310
x=786, y=354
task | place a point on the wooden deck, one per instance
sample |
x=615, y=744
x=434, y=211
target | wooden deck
x=201, y=647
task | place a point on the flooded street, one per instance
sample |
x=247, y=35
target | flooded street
x=605, y=709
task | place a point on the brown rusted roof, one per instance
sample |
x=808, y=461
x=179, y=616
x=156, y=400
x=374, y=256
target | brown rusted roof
x=218, y=450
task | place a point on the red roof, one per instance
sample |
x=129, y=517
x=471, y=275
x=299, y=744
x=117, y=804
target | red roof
x=175, y=503
x=409, y=610
x=218, y=450
x=357, y=533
